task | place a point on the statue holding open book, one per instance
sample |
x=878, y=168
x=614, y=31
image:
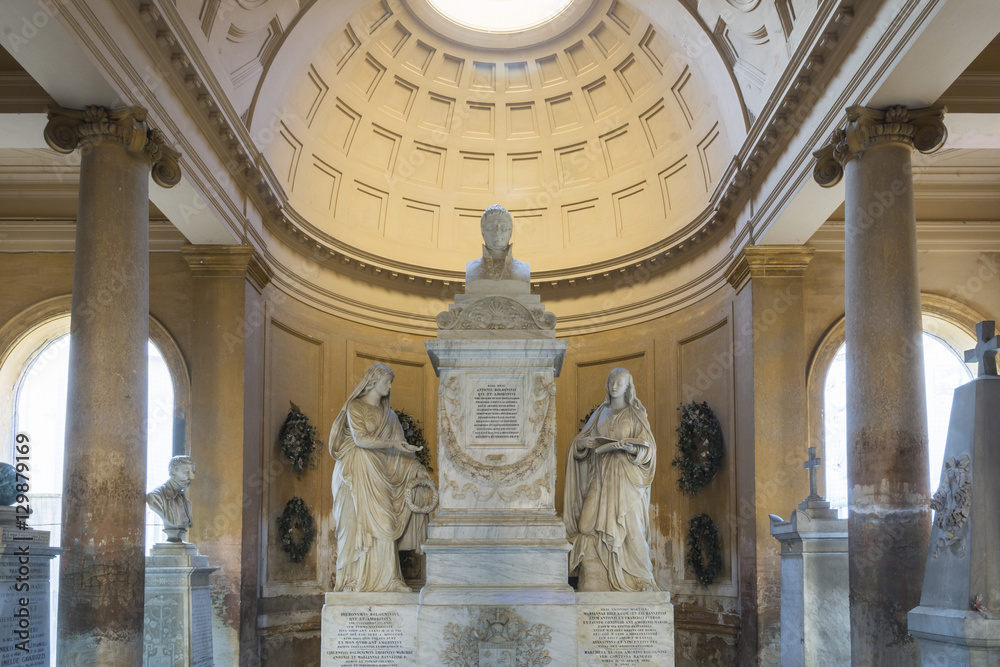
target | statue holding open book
x=609, y=470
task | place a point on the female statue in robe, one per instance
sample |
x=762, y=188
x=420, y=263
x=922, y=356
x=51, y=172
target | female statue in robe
x=375, y=470
x=608, y=473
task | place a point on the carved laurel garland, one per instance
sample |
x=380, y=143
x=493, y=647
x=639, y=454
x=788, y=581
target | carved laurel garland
x=500, y=475
x=532, y=492
x=952, y=503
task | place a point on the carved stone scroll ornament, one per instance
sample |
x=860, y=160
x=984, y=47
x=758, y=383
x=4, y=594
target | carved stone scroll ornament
x=69, y=129
x=496, y=312
x=952, y=503
x=922, y=129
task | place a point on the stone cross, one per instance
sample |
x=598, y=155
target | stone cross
x=811, y=466
x=986, y=349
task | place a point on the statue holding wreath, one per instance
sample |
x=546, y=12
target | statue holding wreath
x=381, y=492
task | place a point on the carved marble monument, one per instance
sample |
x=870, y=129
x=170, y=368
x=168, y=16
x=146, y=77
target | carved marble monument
x=609, y=468
x=958, y=620
x=815, y=615
x=169, y=501
x=497, y=589
x=375, y=482
x=177, y=628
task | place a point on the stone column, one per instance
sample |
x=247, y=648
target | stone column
x=218, y=335
x=771, y=427
x=889, y=520
x=104, y=483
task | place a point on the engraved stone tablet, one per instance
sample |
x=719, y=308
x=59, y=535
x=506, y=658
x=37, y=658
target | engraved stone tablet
x=497, y=410
x=370, y=635
x=625, y=635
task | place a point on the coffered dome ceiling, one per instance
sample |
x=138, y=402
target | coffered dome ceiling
x=390, y=128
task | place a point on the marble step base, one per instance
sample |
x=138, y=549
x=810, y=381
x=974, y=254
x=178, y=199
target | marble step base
x=497, y=626
x=954, y=637
x=479, y=563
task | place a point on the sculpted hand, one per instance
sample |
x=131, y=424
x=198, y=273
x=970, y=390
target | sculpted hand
x=407, y=447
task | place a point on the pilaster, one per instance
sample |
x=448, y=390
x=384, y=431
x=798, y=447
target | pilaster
x=221, y=523
x=771, y=426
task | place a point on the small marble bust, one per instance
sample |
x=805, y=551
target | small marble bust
x=169, y=501
x=497, y=263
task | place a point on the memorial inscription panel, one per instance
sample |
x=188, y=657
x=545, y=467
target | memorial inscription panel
x=201, y=627
x=619, y=636
x=497, y=410
x=375, y=636
x=37, y=622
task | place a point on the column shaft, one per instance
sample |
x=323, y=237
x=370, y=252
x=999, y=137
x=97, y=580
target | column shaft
x=889, y=519
x=104, y=481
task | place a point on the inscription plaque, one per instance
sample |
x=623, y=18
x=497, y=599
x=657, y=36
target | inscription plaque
x=618, y=636
x=38, y=610
x=201, y=627
x=498, y=411
x=370, y=636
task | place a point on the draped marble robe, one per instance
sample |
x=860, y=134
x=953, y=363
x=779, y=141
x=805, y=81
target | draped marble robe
x=369, y=483
x=607, y=502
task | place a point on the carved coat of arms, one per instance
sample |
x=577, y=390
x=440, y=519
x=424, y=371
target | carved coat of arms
x=499, y=638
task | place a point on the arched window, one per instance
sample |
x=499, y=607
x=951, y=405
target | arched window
x=943, y=373
x=34, y=369
x=948, y=328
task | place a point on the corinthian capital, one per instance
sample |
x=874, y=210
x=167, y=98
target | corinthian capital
x=922, y=129
x=69, y=129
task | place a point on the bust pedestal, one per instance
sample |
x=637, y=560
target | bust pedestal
x=178, y=608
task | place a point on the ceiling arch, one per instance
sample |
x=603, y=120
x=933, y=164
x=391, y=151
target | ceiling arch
x=390, y=139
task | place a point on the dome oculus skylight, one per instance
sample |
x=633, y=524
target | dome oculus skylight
x=500, y=15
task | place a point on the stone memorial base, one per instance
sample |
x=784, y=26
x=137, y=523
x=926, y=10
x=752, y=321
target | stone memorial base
x=25, y=556
x=815, y=610
x=497, y=627
x=955, y=638
x=178, y=608
x=958, y=622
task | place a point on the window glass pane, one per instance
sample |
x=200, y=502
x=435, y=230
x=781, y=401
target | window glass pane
x=944, y=371
x=40, y=411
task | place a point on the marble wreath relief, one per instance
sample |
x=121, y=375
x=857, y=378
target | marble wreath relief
x=609, y=469
x=169, y=501
x=381, y=492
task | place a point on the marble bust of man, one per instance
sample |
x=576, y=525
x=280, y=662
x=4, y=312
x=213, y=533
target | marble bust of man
x=169, y=501
x=497, y=262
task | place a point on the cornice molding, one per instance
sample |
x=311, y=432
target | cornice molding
x=936, y=236
x=59, y=235
x=218, y=261
x=771, y=261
